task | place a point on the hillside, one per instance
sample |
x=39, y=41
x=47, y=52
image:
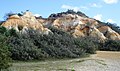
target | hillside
x=70, y=34
x=76, y=23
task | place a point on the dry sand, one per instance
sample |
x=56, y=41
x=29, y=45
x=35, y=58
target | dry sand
x=102, y=61
x=108, y=54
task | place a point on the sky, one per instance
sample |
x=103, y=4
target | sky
x=103, y=10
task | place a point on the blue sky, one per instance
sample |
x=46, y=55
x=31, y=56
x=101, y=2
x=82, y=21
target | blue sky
x=104, y=10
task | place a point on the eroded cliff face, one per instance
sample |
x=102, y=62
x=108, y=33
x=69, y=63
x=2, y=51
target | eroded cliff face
x=76, y=25
x=25, y=22
x=109, y=33
x=80, y=26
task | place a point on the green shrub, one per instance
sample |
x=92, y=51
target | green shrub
x=4, y=53
x=12, y=32
x=111, y=45
x=23, y=49
x=62, y=44
x=6, y=32
x=34, y=45
x=89, y=44
x=58, y=44
x=3, y=30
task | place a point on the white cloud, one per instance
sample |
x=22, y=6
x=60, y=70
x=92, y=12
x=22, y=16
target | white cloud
x=110, y=1
x=96, y=5
x=70, y=7
x=98, y=17
x=110, y=21
x=37, y=15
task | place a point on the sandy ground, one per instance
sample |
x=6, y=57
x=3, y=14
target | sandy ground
x=102, y=61
x=108, y=55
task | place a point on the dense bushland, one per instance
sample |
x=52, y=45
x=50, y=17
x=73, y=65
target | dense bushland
x=36, y=46
x=58, y=44
x=67, y=12
x=4, y=50
x=110, y=45
x=4, y=54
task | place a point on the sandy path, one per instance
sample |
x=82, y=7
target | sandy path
x=102, y=61
x=108, y=55
x=111, y=59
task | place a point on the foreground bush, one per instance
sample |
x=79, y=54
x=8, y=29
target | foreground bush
x=4, y=53
x=59, y=44
x=4, y=47
x=23, y=49
x=89, y=44
x=33, y=46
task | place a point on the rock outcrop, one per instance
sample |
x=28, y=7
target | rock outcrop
x=81, y=26
x=77, y=24
x=109, y=33
x=25, y=22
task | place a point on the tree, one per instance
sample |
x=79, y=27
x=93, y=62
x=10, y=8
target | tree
x=4, y=53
